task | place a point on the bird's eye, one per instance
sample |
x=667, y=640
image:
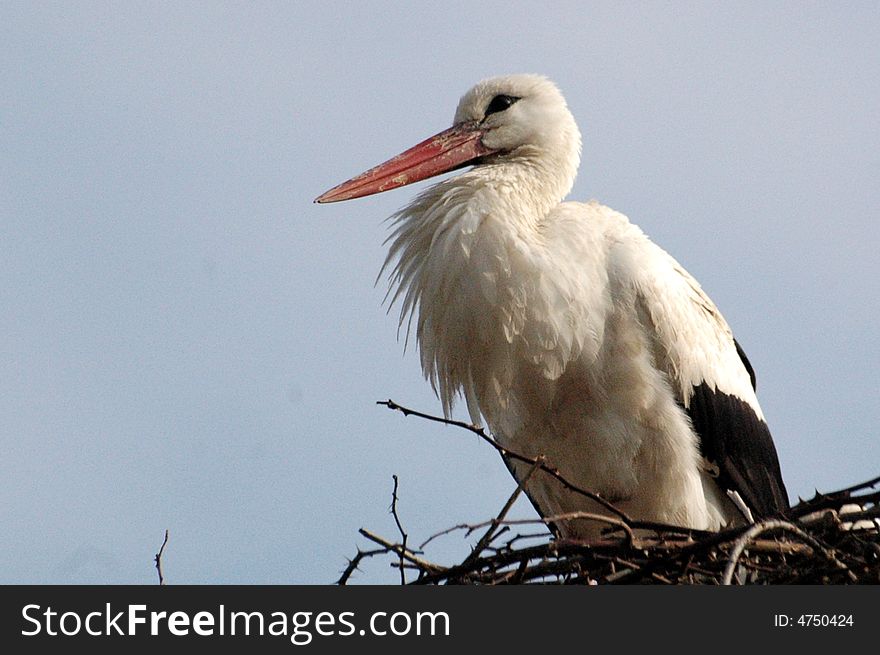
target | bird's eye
x=500, y=103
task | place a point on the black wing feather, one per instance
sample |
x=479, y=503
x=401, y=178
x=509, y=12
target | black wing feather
x=733, y=437
x=747, y=364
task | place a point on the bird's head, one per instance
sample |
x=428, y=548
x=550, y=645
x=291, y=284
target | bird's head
x=514, y=118
x=520, y=115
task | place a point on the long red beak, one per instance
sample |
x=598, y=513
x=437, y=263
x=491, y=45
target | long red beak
x=440, y=153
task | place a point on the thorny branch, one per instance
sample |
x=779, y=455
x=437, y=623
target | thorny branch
x=355, y=561
x=158, y=559
x=403, y=534
x=507, y=453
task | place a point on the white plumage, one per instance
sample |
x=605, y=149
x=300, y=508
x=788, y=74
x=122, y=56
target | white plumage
x=565, y=327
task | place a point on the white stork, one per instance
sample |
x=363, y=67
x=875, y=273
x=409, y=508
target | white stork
x=562, y=325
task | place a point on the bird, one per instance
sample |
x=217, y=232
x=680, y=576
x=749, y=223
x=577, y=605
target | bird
x=565, y=329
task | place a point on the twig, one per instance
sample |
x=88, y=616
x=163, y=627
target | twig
x=158, y=559
x=823, y=501
x=403, y=534
x=870, y=484
x=399, y=550
x=827, y=501
x=355, y=561
x=459, y=526
x=487, y=537
x=765, y=526
x=567, y=516
x=507, y=453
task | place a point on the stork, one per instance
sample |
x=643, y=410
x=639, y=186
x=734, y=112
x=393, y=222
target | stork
x=565, y=328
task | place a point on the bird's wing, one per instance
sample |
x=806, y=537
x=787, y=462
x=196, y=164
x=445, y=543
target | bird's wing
x=712, y=379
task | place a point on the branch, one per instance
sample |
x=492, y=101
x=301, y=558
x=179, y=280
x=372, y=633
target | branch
x=766, y=526
x=355, y=561
x=494, y=523
x=567, y=516
x=406, y=554
x=403, y=534
x=870, y=484
x=158, y=559
x=826, y=501
x=507, y=453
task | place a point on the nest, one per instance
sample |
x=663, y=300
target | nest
x=832, y=538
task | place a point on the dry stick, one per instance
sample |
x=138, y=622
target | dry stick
x=480, y=432
x=408, y=555
x=870, y=484
x=764, y=526
x=542, y=552
x=403, y=534
x=636, y=563
x=505, y=452
x=823, y=501
x=498, y=519
x=159, y=560
x=460, y=526
x=355, y=561
x=494, y=523
x=863, y=515
x=831, y=500
x=559, y=550
x=508, y=545
x=566, y=516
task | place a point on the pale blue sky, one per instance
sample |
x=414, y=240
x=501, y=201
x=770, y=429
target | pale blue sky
x=187, y=342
